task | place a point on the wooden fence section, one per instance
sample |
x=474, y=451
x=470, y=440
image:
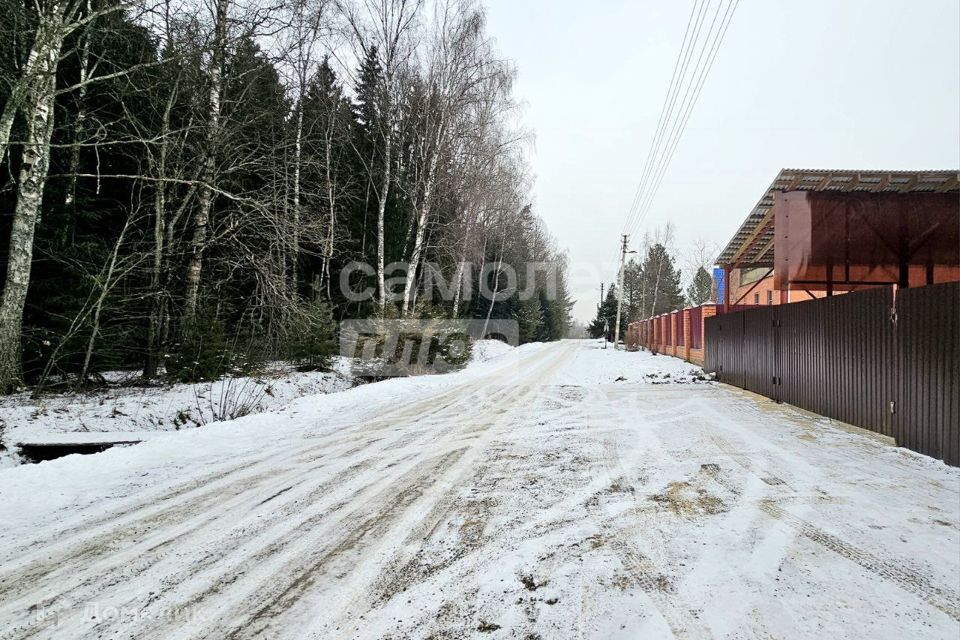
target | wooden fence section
x=880, y=359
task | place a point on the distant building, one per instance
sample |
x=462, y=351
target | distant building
x=817, y=233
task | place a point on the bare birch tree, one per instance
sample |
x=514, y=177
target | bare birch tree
x=385, y=26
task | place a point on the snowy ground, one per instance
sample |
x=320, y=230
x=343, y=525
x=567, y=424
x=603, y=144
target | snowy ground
x=139, y=412
x=531, y=495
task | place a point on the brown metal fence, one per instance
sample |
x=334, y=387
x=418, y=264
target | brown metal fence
x=928, y=358
x=880, y=359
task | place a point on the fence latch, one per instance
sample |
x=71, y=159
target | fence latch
x=893, y=318
x=893, y=406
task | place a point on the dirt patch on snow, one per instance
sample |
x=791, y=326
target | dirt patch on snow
x=685, y=500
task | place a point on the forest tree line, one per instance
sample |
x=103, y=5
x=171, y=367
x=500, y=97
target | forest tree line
x=186, y=179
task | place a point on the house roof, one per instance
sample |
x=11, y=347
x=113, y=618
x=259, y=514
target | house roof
x=752, y=245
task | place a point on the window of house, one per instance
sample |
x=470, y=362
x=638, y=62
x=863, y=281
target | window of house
x=769, y=297
x=756, y=298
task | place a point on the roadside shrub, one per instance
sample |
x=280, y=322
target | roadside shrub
x=204, y=352
x=456, y=349
x=312, y=336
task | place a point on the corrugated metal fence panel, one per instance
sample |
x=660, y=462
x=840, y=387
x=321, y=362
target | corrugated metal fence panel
x=723, y=352
x=928, y=351
x=835, y=357
x=759, y=350
x=844, y=357
x=712, y=340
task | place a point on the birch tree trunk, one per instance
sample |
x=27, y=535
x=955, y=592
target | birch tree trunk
x=458, y=276
x=155, y=333
x=202, y=217
x=331, y=202
x=7, y=116
x=39, y=115
x=381, y=212
x=108, y=284
x=496, y=284
x=17, y=93
x=295, y=234
x=421, y=232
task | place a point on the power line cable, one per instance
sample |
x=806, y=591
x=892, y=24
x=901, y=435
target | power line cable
x=658, y=137
x=686, y=109
x=663, y=116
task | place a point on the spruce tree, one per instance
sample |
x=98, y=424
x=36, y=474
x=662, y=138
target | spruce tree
x=606, y=315
x=663, y=291
x=701, y=288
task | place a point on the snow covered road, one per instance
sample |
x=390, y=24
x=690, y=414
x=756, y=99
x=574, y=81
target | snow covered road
x=556, y=491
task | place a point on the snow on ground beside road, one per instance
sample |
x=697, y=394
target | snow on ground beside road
x=528, y=496
x=30, y=492
x=483, y=350
x=141, y=411
x=596, y=365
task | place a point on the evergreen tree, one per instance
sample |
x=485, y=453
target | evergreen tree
x=633, y=291
x=529, y=317
x=606, y=316
x=663, y=291
x=205, y=196
x=368, y=147
x=701, y=288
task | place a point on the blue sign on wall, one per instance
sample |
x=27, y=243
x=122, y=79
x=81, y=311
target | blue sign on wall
x=721, y=284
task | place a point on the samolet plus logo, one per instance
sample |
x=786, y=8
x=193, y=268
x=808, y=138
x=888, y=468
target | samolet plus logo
x=392, y=348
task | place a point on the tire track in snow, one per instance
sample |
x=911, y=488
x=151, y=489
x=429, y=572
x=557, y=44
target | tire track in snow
x=404, y=568
x=208, y=486
x=287, y=586
x=108, y=579
x=890, y=569
x=644, y=571
x=356, y=521
x=198, y=495
x=885, y=567
x=209, y=489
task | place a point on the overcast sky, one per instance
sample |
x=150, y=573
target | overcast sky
x=851, y=84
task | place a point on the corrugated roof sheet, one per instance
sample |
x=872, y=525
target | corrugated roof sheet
x=752, y=245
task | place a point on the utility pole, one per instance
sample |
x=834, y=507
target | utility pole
x=606, y=322
x=623, y=259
